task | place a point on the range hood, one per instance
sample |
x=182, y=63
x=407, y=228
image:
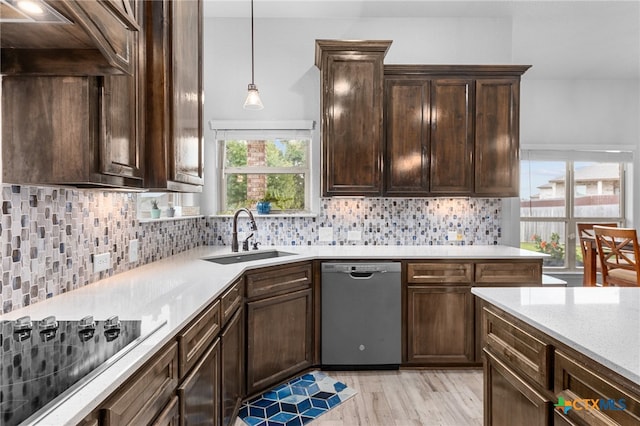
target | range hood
x=67, y=37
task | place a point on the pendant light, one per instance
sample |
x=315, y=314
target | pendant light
x=253, y=97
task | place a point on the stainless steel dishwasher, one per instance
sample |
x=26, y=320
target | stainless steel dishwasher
x=361, y=315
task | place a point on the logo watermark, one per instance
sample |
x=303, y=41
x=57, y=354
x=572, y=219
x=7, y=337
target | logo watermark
x=565, y=405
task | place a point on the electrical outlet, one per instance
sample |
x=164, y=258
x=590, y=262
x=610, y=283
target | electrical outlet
x=354, y=235
x=325, y=233
x=452, y=236
x=133, y=250
x=101, y=262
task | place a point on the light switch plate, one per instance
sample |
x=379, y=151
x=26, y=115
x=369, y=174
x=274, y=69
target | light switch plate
x=101, y=262
x=354, y=236
x=452, y=236
x=325, y=233
x=133, y=250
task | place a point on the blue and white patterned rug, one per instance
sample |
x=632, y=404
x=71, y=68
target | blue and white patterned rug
x=297, y=402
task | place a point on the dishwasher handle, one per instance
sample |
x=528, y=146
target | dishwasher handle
x=361, y=275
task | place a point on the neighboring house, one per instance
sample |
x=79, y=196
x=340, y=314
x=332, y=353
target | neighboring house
x=597, y=179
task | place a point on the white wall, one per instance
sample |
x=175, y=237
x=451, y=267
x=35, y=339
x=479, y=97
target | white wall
x=564, y=110
x=580, y=112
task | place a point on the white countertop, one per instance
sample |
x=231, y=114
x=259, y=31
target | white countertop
x=602, y=323
x=177, y=288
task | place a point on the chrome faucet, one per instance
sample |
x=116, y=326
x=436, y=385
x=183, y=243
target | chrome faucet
x=234, y=235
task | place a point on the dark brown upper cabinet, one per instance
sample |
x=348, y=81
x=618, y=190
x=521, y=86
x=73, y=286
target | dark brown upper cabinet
x=452, y=136
x=407, y=136
x=416, y=130
x=497, y=146
x=174, y=145
x=74, y=38
x=451, y=130
x=351, y=80
x=79, y=130
x=429, y=135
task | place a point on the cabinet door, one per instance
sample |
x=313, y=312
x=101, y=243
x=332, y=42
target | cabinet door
x=440, y=325
x=170, y=416
x=279, y=338
x=121, y=135
x=174, y=144
x=352, y=125
x=186, y=108
x=407, y=136
x=452, y=136
x=123, y=109
x=200, y=391
x=497, y=167
x=232, y=367
x=509, y=400
x=71, y=141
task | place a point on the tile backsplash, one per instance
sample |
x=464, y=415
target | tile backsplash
x=378, y=221
x=49, y=235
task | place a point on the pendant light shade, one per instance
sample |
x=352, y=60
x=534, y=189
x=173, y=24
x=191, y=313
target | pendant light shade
x=253, y=98
x=253, y=101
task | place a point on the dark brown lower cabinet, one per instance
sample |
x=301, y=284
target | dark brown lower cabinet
x=147, y=394
x=526, y=372
x=200, y=391
x=170, y=416
x=232, y=367
x=440, y=325
x=279, y=338
x=509, y=400
x=578, y=380
x=560, y=420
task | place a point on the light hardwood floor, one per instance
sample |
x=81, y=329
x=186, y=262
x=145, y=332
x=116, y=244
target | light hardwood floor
x=407, y=398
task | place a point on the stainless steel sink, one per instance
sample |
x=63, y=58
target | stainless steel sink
x=229, y=259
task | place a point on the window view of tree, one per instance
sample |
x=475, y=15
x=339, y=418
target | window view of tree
x=551, y=205
x=265, y=170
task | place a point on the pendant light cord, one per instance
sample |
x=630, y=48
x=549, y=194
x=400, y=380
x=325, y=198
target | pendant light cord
x=252, y=56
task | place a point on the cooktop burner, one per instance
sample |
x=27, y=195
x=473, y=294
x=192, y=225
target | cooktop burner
x=42, y=361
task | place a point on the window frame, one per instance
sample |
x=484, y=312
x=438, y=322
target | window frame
x=569, y=220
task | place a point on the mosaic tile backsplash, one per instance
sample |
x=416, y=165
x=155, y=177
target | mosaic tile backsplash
x=379, y=221
x=48, y=235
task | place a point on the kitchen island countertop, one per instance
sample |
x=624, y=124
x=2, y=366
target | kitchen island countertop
x=602, y=323
x=175, y=289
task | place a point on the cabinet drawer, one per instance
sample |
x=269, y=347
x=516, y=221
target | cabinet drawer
x=439, y=273
x=518, y=348
x=574, y=382
x=197, y=336
x=231, y=300
x=279, y=280
x=142, y=398
x=512, y=272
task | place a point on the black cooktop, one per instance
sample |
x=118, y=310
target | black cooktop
x=43, y=360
